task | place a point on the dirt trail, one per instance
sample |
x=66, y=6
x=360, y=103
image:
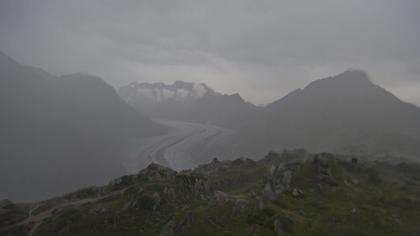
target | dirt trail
x=36, y=220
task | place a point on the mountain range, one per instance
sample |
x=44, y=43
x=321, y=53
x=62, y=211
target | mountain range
x=60, y=133
x=345, y=113
x=53, y=125
x=186, y=101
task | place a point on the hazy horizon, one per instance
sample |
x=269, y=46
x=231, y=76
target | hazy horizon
x=261, y=51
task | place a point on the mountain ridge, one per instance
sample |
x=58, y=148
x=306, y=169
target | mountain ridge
x=52, y=125
x=333, y=114
x=199, y=104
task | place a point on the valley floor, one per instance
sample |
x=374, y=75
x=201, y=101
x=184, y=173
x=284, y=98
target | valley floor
x=174, y=149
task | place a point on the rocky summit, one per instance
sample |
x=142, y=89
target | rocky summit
x=288, y=193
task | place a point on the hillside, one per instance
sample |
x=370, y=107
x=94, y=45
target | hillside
x=346, y=113
x=292, y=193
x=52, y=126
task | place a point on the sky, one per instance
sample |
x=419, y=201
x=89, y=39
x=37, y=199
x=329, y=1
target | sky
x=261, y=49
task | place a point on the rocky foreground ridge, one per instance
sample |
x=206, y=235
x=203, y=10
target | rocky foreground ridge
x=292, y=193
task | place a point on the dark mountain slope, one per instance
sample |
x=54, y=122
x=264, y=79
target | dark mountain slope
x=346, y=112
x=60, y=133
x=229, y=111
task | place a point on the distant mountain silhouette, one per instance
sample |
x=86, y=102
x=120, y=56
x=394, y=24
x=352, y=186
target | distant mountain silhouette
x=160, y=92
x=188, y=102
x=60, y=133
x=346, y=113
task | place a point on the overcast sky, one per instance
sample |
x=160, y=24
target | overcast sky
x=260, y=49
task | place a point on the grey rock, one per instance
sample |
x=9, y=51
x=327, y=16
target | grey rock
x=177, y=228
x=157, y=200
x=169, y=228
x=239, y=207
x=189, y=186
x=354, y=181
x=277, y=182
x=221, y=196
x=324, y=173
x=5, y=203
x=278, y=228
x=297, y=193
x=156, y=172
x=169, y=193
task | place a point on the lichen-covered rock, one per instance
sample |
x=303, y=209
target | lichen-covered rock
x=190, y=186
x=177, y=228
x=156, y=201
x=278, y=228
x=169, y=228
x=239, y=207
x=277, y=181
x=324, y=171
x=169, y=193
x=297, y=193
x=221, y=196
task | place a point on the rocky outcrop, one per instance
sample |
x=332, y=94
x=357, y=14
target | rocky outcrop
x=190, y=186
x=277, y=181
x=221, y=196
x=324, y=170
x=193, y=203
x=278, y=228
x=155, y=172
x=297, y=193
x=156, y=201
x=239, y=207
x=177, y=227
x=169, y=193
x=10, y=213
